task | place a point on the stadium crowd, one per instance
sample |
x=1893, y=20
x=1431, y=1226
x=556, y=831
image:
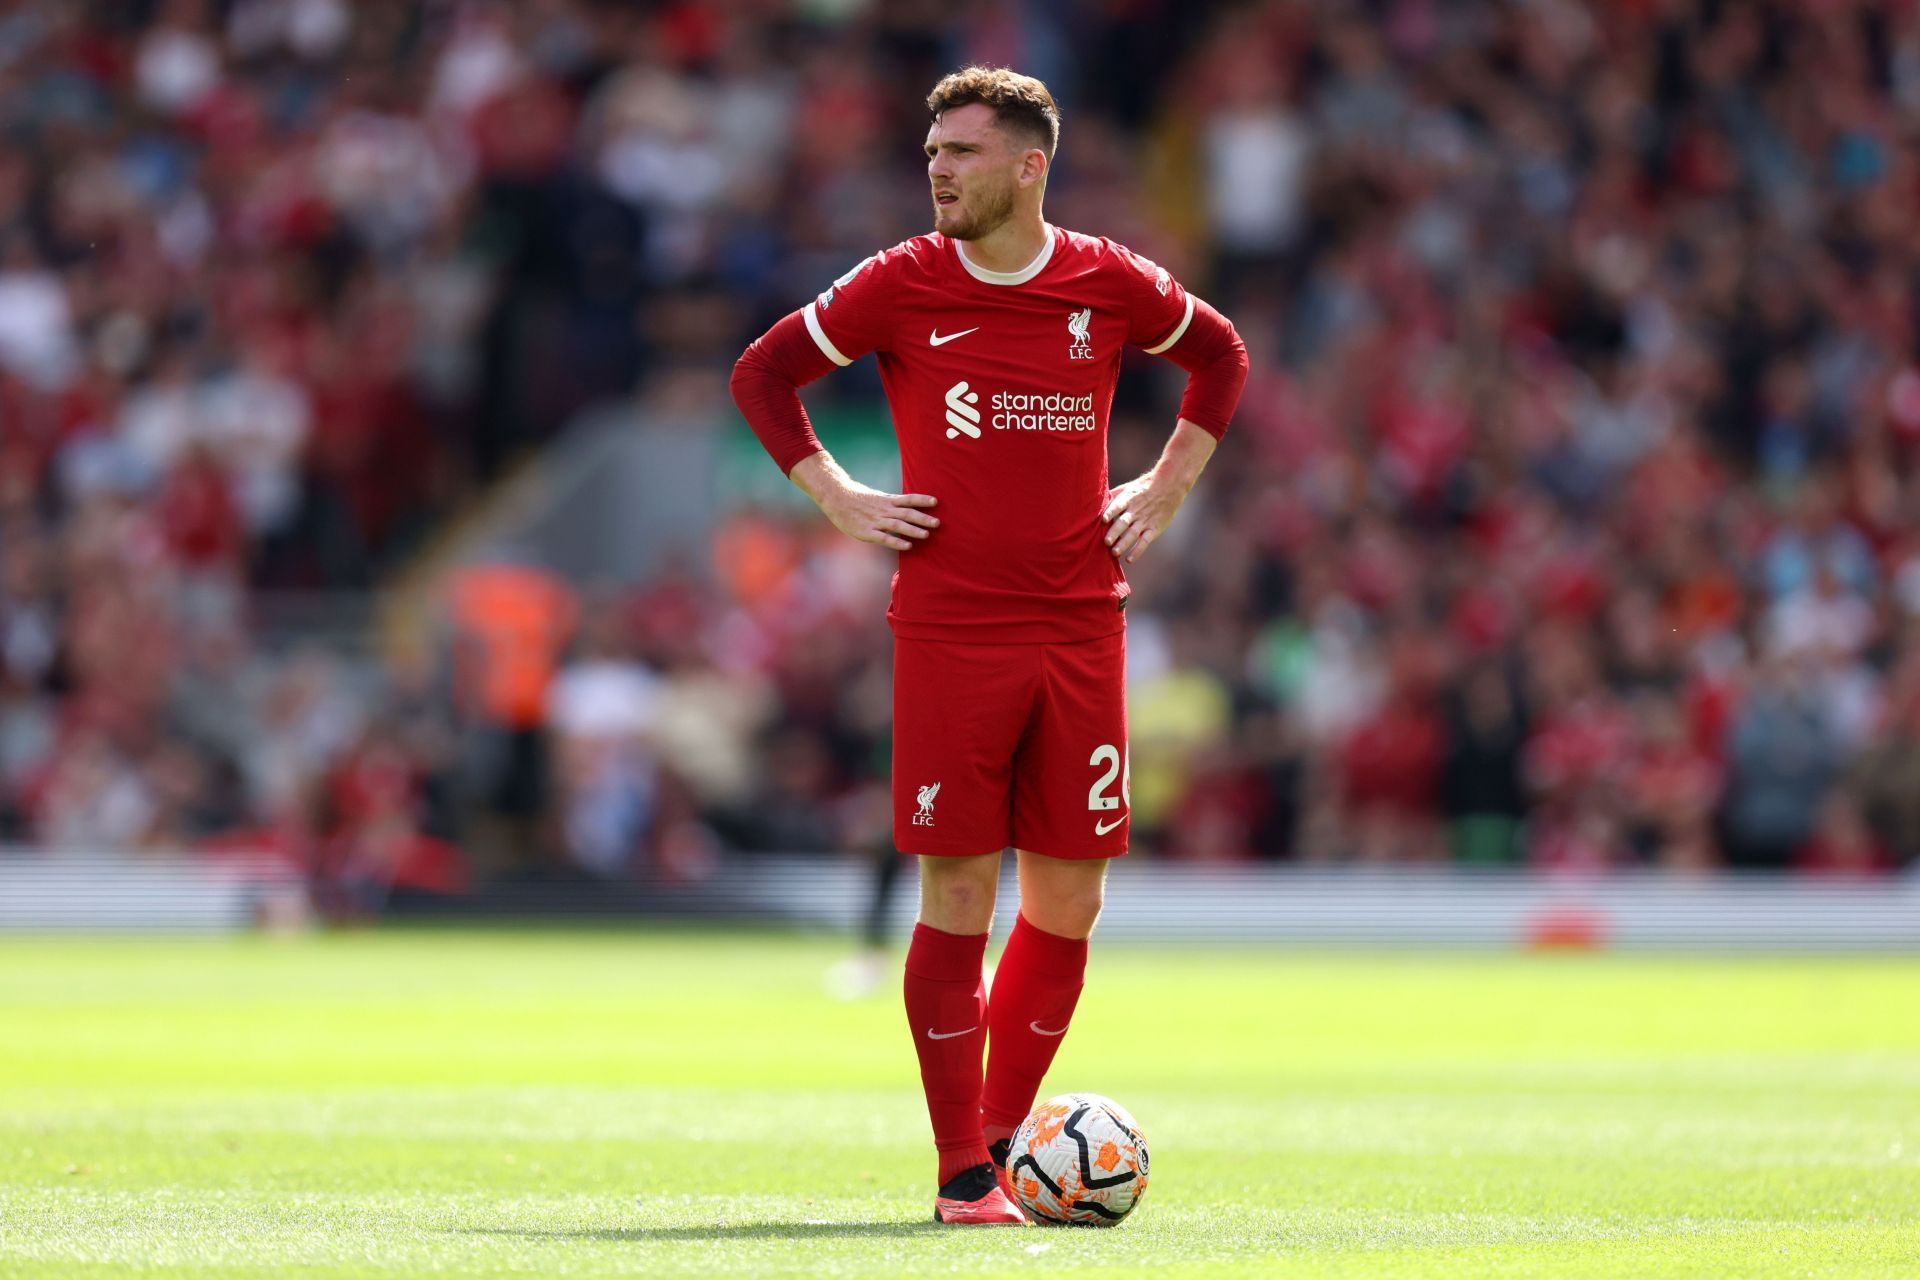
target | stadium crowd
x=1571, y=517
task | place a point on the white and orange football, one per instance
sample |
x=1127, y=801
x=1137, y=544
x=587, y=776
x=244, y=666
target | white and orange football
x=1078, y=1159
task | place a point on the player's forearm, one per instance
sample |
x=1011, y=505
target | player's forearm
x=820, y=478
x=1216, y=363
x=765, y=385
x=1186, y=454
x=894, y=520
x=772, y=407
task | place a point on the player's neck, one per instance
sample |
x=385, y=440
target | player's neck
x=1011, y=245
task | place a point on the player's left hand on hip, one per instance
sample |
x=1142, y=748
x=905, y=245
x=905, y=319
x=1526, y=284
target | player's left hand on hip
x=1138, y=512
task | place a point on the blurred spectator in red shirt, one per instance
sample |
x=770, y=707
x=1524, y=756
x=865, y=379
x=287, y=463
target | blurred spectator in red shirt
x=1843, y=845
x=1390, y=775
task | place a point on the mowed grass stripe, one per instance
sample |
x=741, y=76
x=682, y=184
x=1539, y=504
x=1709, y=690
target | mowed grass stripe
x=473, y=1103
x=1739, y=1131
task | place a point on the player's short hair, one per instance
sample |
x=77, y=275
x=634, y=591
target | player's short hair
x=1020, y=103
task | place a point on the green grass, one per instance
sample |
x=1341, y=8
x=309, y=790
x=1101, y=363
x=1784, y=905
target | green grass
x=487, y=1103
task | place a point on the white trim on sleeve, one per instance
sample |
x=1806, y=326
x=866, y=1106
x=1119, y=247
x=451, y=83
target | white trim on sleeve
x=812, y=317
x=1173, y=337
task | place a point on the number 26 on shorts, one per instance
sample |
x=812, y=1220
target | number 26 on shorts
x=1119, y=763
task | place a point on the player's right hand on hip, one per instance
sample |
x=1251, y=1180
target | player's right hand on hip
x=895, y=520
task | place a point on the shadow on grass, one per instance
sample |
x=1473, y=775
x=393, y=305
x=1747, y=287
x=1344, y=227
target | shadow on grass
x=719, y=1231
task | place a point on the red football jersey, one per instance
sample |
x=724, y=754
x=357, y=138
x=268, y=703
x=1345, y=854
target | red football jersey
x=1000, y=384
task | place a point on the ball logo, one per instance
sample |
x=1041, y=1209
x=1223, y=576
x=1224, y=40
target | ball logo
x=1077, y=324
x=963, y=415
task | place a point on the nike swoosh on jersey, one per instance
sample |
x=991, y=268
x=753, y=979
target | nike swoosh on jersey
x=1042, y=1031
x=1101, y=828
x=948, y=1035
x=934, y=338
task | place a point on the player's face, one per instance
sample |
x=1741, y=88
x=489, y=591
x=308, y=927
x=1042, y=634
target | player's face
x=974, y=168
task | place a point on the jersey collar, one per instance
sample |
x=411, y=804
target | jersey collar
x=1021, y=276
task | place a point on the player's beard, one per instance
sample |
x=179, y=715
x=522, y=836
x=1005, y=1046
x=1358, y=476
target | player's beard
x=995, y=209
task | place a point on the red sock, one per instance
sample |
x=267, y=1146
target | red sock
x=947, y=1011
x=1034, y=991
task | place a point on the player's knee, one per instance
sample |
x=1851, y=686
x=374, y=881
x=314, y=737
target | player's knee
x=956, y=901
x=1068, y=912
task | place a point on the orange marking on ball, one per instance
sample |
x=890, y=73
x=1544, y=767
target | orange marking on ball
x=1046, y=1130
x=1109, y=1156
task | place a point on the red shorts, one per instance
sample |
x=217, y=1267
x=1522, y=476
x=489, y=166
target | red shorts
x=1010, y=744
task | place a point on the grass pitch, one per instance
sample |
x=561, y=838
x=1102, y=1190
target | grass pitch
x=489, y=1103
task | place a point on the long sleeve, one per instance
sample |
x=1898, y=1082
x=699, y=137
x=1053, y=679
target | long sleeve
x=1165, y=320
x=766, y=386
x=1216, y=363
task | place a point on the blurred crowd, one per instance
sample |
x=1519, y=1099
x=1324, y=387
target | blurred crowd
x=1571, y=517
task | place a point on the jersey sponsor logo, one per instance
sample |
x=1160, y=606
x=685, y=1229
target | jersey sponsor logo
x=924, y=818
x=1077, y=324
x=938, y=339
x=1017, y=411
x=1101, y=828
x=1037, y=411
x=962, y=415
x=1162, y=281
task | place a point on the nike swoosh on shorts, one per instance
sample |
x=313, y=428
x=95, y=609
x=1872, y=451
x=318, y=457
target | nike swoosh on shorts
x=948, y=1035
x=1042, y=1031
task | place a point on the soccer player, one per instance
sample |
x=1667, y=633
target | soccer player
x=999, y=340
